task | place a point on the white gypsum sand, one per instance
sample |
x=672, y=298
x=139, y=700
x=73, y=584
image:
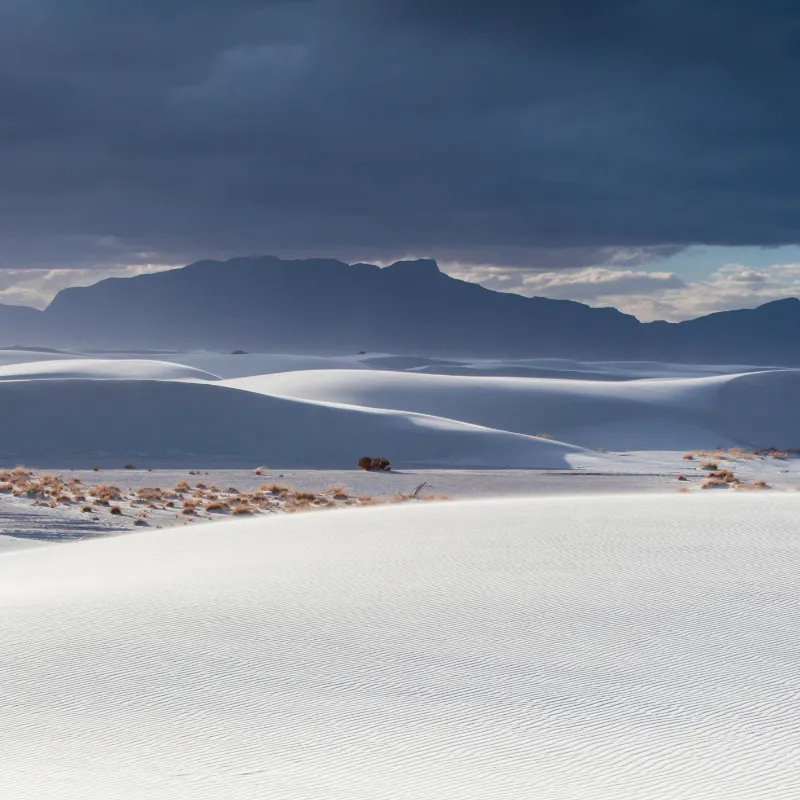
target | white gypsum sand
x=616, y=648
x=749, y=409
x=64, y=423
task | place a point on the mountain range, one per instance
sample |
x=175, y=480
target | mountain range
x=325, y=306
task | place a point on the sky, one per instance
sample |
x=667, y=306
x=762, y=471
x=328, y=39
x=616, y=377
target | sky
x=636, y=153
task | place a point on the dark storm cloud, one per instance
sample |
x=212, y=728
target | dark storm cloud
x=498, y=132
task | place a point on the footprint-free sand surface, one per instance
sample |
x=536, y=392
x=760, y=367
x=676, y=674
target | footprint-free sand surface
x=625, y=647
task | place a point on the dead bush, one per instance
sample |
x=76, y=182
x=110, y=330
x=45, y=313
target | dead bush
x=370, y=464
x=753, y=486
x=719, y=478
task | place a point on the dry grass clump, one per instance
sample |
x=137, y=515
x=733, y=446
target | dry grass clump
x=241, y=508
x=190, y=505
x=115, y=510
x=105, y=493
x=720, y=478
x=218, y=506
x=753, y=486
x=688, y=456
x=181, y=486
x=274, y=489
x=712, y=465
x=151, y=494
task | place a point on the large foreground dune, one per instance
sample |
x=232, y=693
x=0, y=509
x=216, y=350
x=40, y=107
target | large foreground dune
x=616, y=649
x=750, y=409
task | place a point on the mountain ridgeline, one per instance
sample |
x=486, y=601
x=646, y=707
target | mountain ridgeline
x=328, y=307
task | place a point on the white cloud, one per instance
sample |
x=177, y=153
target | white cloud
x=647, y=295
x=37, y=287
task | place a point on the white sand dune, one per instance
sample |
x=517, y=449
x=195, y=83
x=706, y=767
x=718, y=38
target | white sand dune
x=616, y=649
x=103, y=369
x=230, y=366
x=10, y=357
x=70, y=423
x=752, y=409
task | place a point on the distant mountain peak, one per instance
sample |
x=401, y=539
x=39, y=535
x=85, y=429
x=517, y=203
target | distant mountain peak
x=784, y=302
x=420, y=266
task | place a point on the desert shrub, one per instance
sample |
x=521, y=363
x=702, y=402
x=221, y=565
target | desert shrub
x=181, y=486
x=115, y=510
x=129, y=466
x=712, y=465
x=754, y=485
x=241, y=508
x=719, y=478
x=86, y=509
x=216, y=505
x=274, y=489
x=305, y=496
x=105, y=492
x=688, y=456
x=370, y=464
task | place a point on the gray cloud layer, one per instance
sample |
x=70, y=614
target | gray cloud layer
x=135, y=130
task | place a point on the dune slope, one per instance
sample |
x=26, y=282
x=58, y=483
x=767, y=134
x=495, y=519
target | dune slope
x=754, y=410
x=70, y=423
x=103, y=369
x=618, y=649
